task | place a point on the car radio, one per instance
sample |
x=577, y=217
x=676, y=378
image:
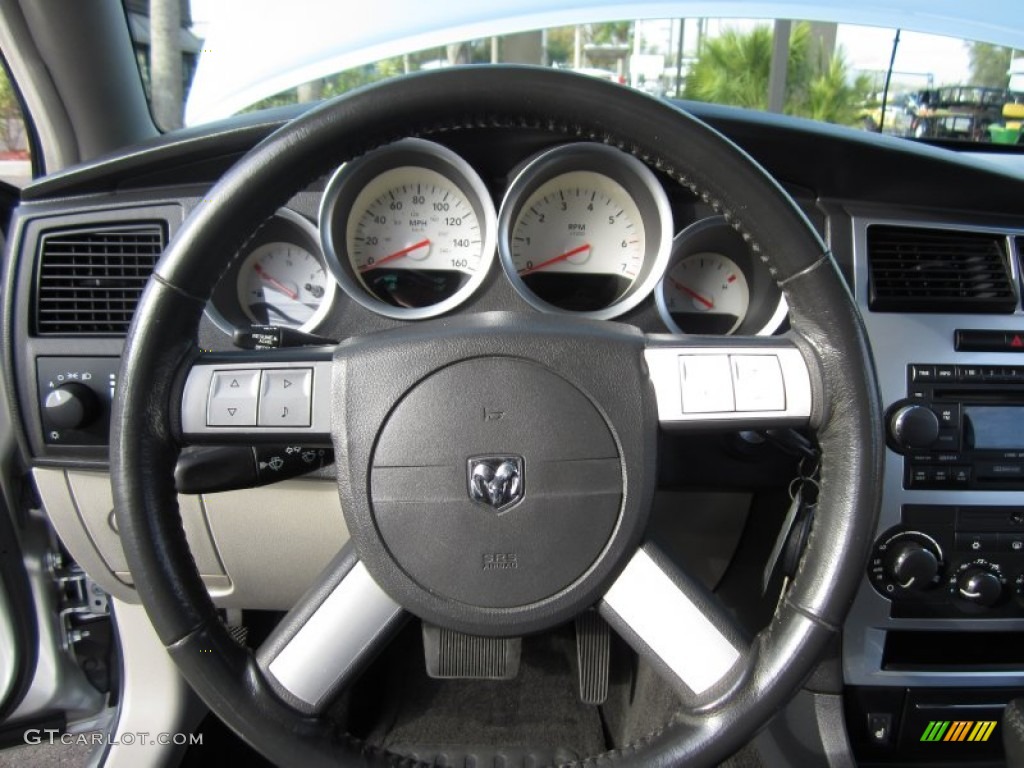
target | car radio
x=961, y=427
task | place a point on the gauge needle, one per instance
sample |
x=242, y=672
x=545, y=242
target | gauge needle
x=562, y=257
x=706, y=302
x=424, y=243
x=268, y=278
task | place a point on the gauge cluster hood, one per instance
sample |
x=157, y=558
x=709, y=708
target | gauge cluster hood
x=254, y=50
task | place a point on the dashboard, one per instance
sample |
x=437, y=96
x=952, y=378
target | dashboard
x=930, y=243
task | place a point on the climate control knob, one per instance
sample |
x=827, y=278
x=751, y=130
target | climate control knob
x=912, y=565
x=905, y=563
x=71, y=406
x=979, y=584
x=913, y=427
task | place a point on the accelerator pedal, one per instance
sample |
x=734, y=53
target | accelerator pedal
x=593, y=657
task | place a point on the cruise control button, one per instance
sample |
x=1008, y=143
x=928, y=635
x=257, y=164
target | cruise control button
x=233, y=397
x=757, y=381
x=706, y=384
x=286, y=398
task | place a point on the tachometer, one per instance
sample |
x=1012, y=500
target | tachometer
x=408, y=230
x=585, y=229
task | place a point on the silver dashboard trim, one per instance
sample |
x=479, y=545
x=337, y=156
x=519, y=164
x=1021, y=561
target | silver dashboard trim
x=898, y=339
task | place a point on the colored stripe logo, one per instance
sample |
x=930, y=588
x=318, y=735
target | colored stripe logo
x=959, y=730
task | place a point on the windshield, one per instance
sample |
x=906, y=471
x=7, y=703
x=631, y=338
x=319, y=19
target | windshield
x=203, y=60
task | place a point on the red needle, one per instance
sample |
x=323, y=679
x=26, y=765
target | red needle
x=396, y=255
x=706, y=302
x=276, y=283
x=562, y=257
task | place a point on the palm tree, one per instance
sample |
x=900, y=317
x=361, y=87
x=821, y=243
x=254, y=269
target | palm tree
x=734, y=68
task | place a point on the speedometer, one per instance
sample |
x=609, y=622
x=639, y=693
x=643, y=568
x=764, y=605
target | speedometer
x=585, y=229
x=409, y=230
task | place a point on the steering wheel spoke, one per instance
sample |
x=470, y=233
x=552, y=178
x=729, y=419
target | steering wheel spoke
x=329, y=636
x=674, y=623
x=744, y=382
x=269, y=397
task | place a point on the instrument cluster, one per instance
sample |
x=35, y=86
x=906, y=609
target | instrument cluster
x=410, y=231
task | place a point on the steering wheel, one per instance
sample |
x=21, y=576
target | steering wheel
x=582, y=402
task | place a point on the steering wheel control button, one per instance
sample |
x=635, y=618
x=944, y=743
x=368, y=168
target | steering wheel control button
x=746, y=385
x=706, y=384
x=233, y=398
x=495, y=512
x=757, y=383
x=286, y=398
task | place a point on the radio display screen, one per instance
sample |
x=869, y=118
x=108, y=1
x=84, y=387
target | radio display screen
x=994, y=428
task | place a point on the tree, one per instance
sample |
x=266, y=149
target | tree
x=735, y=67
x=610, y=33
x=560, y=45
x=990, y=64
x=12, y=124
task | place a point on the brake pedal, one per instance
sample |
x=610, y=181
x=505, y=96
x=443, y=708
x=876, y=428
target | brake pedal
x=454, y=655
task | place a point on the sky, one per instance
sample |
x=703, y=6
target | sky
x=867, y=49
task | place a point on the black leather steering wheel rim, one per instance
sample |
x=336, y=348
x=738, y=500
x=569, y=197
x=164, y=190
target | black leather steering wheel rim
x=161, y=344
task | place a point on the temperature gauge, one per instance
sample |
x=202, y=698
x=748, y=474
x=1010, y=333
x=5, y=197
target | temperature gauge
x=715, y=287
x=706, y=293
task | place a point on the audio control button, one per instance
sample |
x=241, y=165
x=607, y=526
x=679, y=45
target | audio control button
x=948, y=440
x=949, y=415
x=961, y=475
x=914, y=427
x=999, y=470
x=922, y=373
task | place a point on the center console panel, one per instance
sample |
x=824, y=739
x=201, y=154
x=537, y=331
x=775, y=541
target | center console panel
x=933, y=648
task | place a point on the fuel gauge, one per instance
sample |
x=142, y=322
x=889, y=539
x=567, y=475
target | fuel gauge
x=282, y=284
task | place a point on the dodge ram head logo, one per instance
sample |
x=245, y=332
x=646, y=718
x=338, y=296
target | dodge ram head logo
x=496, y=481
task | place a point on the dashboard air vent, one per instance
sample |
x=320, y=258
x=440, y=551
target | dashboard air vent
x=938, y=270
x=90, y=280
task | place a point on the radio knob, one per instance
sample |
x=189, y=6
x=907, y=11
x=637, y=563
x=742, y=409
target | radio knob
x=914, y=427
x=71, y=406
x=979, y=585
x=912, y=565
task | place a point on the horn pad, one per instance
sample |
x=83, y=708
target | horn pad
x=495, y=483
